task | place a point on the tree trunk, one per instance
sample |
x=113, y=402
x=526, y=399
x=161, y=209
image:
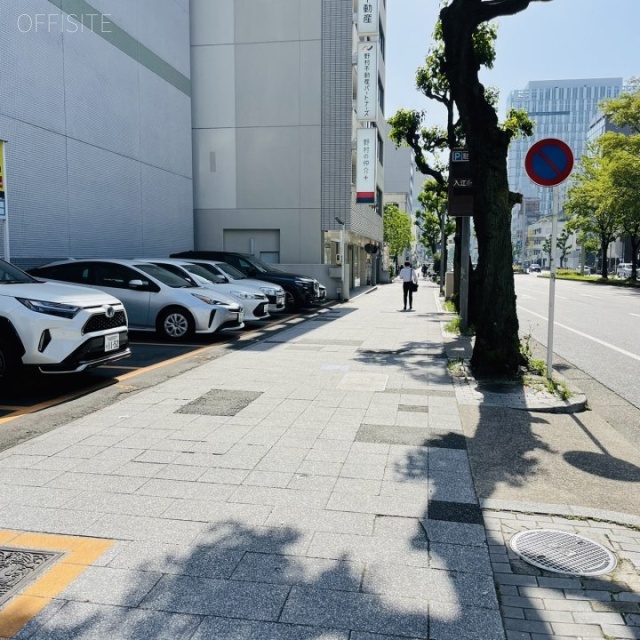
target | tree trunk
x=604, y=248
x=635, y=246
x=497, y=346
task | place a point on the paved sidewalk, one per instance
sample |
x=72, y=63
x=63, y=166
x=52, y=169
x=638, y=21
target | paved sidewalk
x=314, y=486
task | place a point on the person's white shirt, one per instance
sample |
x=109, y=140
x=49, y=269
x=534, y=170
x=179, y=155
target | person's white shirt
x=408, y=274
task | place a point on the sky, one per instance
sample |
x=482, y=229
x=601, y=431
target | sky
x=562, y=39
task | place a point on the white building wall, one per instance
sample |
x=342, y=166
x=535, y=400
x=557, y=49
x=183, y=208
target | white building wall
x=98, y=129
x=257, y=123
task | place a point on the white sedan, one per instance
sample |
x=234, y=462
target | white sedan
x=254, y=302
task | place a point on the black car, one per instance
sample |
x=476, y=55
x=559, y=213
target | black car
x=301, y=291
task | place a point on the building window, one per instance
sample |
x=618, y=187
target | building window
x=379, y=201
x=380, y=150
x=381, y=95
x=382, y=39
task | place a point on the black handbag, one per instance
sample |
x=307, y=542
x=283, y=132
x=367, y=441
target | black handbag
x=414, y=286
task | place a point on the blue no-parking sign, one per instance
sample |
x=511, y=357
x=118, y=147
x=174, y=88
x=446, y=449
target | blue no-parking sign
x=549, y=162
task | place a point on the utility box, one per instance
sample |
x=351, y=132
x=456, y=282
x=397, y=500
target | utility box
x=335, y=272
x=448, y=285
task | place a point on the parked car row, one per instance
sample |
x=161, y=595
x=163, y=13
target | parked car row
x=70, y=315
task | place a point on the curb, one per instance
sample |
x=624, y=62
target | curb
x=564, y=510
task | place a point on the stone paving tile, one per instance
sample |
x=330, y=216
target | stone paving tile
x=321, y=520
x=214, y=597
x=204, y=561
x=280, y=569
x=227, y=628
x=357, y=611
x=88, y=621
x=452, y=622
x=125, y=527
x=108, y=585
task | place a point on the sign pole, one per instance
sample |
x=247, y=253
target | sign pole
x=4, y=215
x=552, y=280
x=548, y=163
x=464, y=273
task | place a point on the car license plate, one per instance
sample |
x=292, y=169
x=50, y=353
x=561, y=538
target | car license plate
x=280, y=300
x=112, y=342
x=241, y=316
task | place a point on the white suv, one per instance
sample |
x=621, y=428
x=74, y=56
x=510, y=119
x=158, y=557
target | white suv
x=57, y=328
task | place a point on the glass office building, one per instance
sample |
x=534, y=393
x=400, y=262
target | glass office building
x=562, y=109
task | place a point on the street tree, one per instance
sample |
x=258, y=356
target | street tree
x=497, y=349
x=591, y=201
x=624, y=153
x=624, y=110
x=432, y=216
x=497, y=346
x=396, y=230
x=562, y=243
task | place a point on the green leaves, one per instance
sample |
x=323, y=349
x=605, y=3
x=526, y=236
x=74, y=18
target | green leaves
x=396, y=229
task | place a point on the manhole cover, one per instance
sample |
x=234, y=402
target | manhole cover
x=19, y=567
x=563, y=552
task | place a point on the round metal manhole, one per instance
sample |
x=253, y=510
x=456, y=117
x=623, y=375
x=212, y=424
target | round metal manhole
x=563, y=552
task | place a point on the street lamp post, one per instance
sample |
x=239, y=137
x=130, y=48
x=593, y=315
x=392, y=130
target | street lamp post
x=342, y=272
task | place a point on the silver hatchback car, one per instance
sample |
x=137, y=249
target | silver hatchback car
x=154, y=298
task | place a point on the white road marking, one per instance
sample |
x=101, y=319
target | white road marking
x=637, y=315
x=586, y=335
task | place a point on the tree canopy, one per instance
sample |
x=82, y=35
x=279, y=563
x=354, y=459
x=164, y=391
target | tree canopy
x=396, y=229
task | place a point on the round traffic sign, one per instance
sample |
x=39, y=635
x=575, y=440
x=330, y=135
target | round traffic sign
x=549, y=162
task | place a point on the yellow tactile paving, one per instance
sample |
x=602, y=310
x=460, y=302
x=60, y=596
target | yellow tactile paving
x=79, y=554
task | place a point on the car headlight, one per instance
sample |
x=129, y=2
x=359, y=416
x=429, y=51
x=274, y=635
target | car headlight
x=305, y=284
x=50, y=308
x=208, y=300
x=270, y=291
x=243, y=295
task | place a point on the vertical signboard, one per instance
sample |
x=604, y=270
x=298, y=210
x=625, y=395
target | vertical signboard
x=2, y=182
x=368, y=17
x=4, y=216
x=367, y=103
x=366, y=161
x=460, y=184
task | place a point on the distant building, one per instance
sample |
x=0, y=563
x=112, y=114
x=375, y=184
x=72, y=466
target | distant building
x=400, y=185
x=283, y=92
x=562, y=109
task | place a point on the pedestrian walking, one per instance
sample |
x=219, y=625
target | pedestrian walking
x=409, y=278
x=425, y=269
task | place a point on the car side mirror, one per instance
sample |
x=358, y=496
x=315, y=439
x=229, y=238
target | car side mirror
x=136, y=284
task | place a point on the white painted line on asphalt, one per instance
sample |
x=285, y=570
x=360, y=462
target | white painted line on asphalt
x=524, y=295
x=588, y=295
x=637, y=315
x=586, y=335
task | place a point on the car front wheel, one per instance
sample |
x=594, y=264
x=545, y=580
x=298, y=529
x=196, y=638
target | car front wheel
x=10, y=363
x=290, y=302
x=175, y=324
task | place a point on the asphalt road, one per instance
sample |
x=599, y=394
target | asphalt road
x=596, y=328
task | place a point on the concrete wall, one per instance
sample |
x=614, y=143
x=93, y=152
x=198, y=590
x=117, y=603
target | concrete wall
x=98, y=124
x=256, y=119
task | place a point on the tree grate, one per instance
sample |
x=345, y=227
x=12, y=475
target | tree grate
x=20, y=567
x=562, y=552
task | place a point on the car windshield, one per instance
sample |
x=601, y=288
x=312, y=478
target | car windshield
x=232, y=272
x=261, y=266
x=197, y=270
x=164, y=276
x=12, y=275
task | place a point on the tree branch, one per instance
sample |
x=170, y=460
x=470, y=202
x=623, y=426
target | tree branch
x=496, y=8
